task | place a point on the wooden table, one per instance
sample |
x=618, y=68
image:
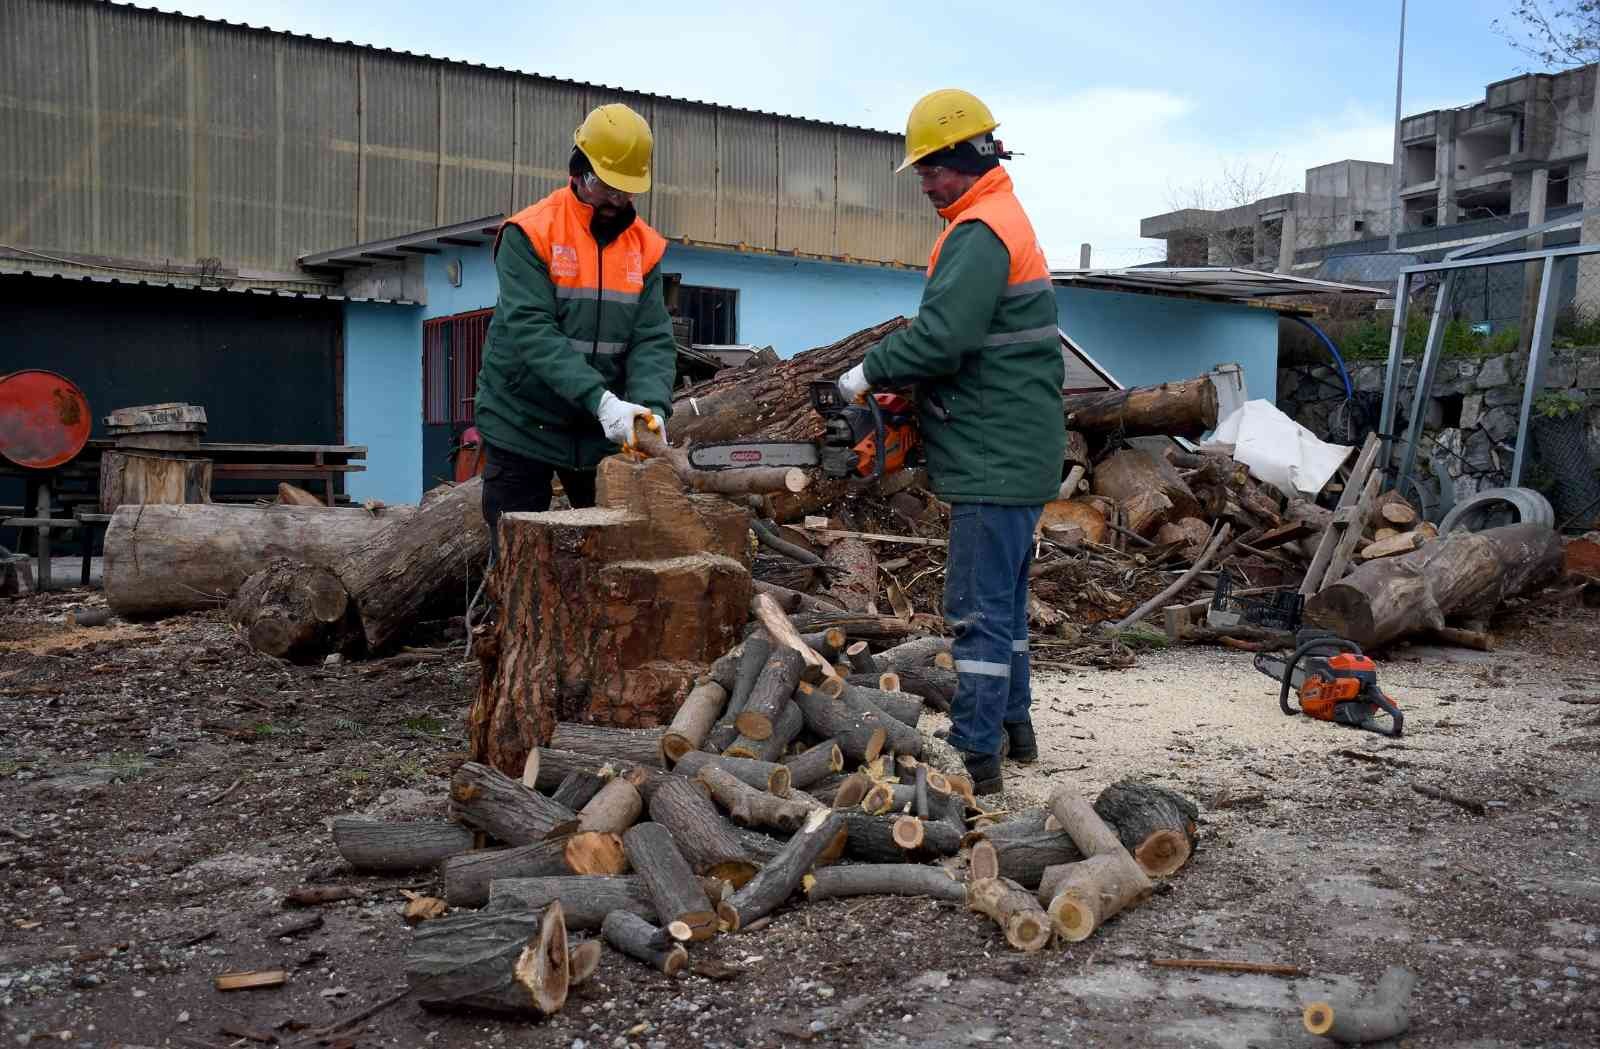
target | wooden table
x=282, y=462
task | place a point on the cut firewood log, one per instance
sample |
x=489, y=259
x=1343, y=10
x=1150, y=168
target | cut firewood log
x=755, y=480
x=725, y=668
x=916, y=654
x=873, y=839
x=376, y=846
x=1095, y=889
x=1146, y=512
x=757, y=648
x=862, y=626
x=829, y=644
x=903, y=707
x=814, y=763
x=1393, y=544
x=936, y=686
x=467, y=875
x=1133, y=472
x=1025, y=850
x=1191, y=532
x=1379, y=535
x=851, y=791
x=883, y=879
x=785, y=730
x=769, y=776
x=709, y=843
x=693, y=721
x=823, y=832
x=853, y=573
x=680, y=899
x=294, y=611
x=1382, y=1015
x=750, y=807
x=860, y=734
x=1089, y=515
x=1396, y=510
x=613, y=810
x=1385, y=600
x=626, y=746
x=899, y=737
x=638, y=939
x=771, y=692
x=585, y=899
x=499, y=961
x=646, y=780
x=983, y=862
x=577, y=789
x=859, y=656
x=488, y=800
x=1158, y=826
x=294, y=495
x=583, y=960
x=792, y=600
x=1174, y=409
x=166, y=559
x=545, y=768
x=1013, y=908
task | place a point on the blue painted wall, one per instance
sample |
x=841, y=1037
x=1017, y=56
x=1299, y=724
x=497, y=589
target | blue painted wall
x=1146, y=339
x=383, y=399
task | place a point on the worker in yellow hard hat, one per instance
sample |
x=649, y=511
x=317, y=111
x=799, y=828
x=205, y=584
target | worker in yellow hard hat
x=985, y=355
x=581, y=344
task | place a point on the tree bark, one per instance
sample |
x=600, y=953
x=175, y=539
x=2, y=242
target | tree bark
x=917, y=654
x=577, y=789
x=935, y=685
x=680, y=899
x=693, y=722
x=860, y=735
x=771, y=692
x=769, y=776
x=488, y=800
x=585, y=899
x=545, y=768
x=1176, y=409
x=750, y=807
x=855, y=574
x=294, y=611
x=1024, y=851
x=467, y=876
x=625, y=746
x=901, y=706
x=1134, y=472
x=638, y=939
x=757, y=648
x=1085, y=895
x=1383, y=601
x=500, y=962
x=1013, y=908
x=613, y=810
x=884, y=879
x=764, y=893
x=1158, y=826
x=379, y=847
x=1382, y=1015
x=707, y=841
x=872, y=839
x=860, y=625
x=814, y=763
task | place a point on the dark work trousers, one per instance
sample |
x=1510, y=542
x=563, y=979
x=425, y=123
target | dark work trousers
x=986, y=608
x=513, y=483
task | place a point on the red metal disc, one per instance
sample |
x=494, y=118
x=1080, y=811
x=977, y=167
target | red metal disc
x=44, y=419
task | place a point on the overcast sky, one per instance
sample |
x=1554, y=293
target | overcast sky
x=1120, y=107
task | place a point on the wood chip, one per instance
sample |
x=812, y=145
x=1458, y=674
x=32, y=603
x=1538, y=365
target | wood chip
x=244, y=981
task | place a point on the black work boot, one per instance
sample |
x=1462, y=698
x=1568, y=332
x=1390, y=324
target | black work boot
x=984, y=771
x=1024, y=746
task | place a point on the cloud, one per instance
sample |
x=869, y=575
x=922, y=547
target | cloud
x=1095, y=162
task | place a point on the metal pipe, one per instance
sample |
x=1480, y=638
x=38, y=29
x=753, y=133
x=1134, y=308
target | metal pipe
x=1399, y=157
x=1503, y=260
x=1333, y=351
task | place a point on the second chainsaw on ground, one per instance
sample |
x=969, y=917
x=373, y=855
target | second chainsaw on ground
x=867, y=440
x=1334, y=681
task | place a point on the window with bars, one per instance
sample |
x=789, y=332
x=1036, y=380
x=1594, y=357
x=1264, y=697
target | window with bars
x=452, y=350
x=713, y=311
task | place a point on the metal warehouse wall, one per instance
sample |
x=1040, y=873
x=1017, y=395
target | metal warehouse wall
x=140, y=135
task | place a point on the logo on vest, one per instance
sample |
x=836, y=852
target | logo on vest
x=563, y=260
x=635, y=262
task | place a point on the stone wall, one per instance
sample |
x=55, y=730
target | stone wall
x=1471, y=412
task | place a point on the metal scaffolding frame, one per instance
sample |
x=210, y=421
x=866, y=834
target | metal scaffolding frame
x=1558, y=261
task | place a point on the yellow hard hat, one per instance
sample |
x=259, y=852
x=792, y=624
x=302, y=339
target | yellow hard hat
x=617, y=142
x=941, y=119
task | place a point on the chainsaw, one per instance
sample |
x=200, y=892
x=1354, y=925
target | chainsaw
x=1334, y=681
x=862, y=440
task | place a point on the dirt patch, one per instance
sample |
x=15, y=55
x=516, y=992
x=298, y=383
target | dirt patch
x=162, y=796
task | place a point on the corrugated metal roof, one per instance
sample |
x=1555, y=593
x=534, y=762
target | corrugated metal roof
x=152, y=9
x=1228, y=283
x=147, y=282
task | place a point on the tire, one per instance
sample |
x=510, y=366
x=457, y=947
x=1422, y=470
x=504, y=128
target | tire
x=1475, y=514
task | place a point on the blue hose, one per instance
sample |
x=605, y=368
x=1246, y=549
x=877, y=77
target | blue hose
x=1338, y=361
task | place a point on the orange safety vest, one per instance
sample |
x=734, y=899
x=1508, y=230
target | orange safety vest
x=993, y=202
x=558, y=229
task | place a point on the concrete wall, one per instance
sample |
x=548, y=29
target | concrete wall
x=1144, y=339
x=383, y=399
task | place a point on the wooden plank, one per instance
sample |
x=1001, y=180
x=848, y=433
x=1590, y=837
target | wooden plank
x=247, y=980
x=1288, y=533
x=356, y=450
x=874, y=537
x=1339, y=563
x=270, y=470
x=1331, y=536
x=172, y=415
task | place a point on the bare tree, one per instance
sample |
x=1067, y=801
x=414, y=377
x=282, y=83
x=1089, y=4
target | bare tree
x=1556, y=33
x=1230, y=242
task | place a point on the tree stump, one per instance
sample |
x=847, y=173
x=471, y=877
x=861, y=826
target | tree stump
x=608, y=615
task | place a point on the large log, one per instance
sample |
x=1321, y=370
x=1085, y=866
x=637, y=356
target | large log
x=488, y=800
x=163, y=560
x=1462, y=573
x=708, y=842
x=1174, y=409
x=500, y=962
x=1133, y=473
x=294, y=611
x=379, y=847
x=625, y=746
x=854, y=575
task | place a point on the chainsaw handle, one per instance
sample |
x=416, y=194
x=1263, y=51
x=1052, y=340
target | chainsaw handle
x=1389, y=707
x=1306, y=648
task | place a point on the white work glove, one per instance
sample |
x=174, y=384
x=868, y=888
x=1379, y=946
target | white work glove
x=616, y=417
x=853, y=384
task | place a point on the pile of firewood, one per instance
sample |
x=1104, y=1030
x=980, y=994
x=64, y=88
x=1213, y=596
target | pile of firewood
x=795, y=767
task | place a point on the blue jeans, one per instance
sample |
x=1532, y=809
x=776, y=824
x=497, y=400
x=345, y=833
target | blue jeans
x=986, y=608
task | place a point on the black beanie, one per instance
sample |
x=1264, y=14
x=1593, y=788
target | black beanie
x=578, y=164
x=967, y=158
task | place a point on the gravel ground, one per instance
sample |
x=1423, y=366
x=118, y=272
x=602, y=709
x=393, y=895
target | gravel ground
x=164, y=787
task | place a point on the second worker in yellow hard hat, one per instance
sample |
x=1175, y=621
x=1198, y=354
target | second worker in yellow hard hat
x=581, y=343
x=985, y=355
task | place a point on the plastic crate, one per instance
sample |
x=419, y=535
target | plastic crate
x=1274, y=610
